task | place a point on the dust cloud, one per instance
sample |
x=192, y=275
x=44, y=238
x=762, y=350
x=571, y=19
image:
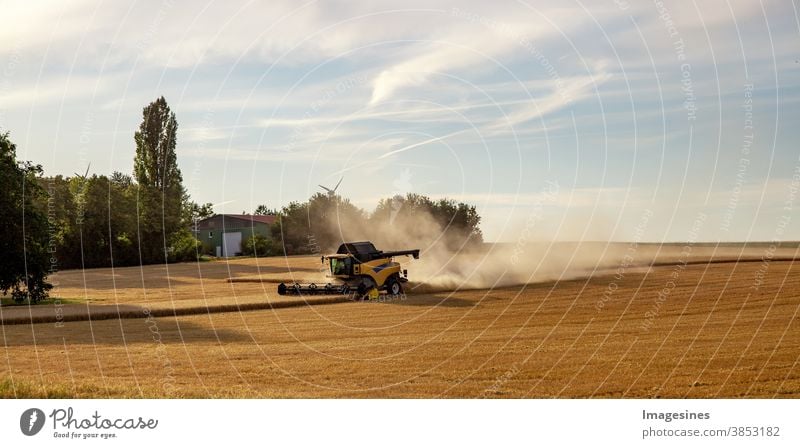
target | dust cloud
x=450, y=259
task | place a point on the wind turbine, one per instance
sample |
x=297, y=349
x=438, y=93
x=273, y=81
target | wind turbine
x=333, y=191
x=86, y=173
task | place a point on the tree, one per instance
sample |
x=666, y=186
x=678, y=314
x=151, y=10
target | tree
x=122, y=225
x=320, y=224
x=25, y=262
x=105, y=231
x=259, y=246
x=121, y=180
x=184, y=247
x=90, y=220
x=160, y=188
x=264, y=210
x=325, y=221
x=61, y=218
x=193, y=212
x=418, y=218
x=291, y=228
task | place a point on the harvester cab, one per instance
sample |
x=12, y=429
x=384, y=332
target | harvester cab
x=361, y=270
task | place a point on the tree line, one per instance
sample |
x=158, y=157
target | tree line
x=122, y=220
x=56, y=222
x=326, y=220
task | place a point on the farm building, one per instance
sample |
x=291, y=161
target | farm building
x=222, y=235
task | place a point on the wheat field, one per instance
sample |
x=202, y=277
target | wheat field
x=721, y=329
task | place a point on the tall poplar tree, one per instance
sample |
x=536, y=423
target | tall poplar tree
x=159, y=180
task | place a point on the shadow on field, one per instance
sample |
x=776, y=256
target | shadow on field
x=119, y=333
x=160, y=276
x=57, y=317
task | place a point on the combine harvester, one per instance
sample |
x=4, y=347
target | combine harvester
x=361, y=271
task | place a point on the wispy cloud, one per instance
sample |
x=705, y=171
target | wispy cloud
x=422, y=143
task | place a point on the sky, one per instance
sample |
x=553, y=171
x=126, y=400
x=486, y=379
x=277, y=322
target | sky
x=631, y=121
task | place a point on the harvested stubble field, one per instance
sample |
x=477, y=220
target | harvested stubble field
x=723, y=329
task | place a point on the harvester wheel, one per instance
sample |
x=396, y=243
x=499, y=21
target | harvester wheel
x=394, y=287
x=365, y=286
x=362, y=291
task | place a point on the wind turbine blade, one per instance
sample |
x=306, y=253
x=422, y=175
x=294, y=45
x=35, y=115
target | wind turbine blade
x=337, y=185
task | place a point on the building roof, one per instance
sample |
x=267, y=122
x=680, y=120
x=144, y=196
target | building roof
x=266, y=219
x=245, y=220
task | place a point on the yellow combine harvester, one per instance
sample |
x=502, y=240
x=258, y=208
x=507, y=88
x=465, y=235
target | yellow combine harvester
x=361, y=271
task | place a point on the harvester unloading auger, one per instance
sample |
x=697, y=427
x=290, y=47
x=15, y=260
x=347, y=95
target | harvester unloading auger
x=360, y=270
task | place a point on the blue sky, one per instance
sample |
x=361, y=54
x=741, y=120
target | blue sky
x=577, y=120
